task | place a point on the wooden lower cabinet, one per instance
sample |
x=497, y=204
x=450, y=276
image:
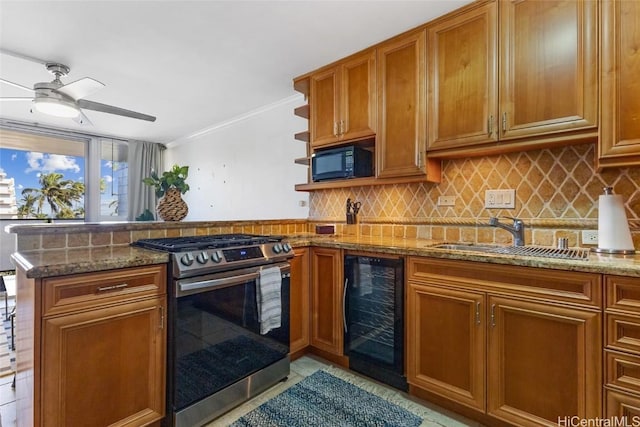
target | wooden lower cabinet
x=326, y=300
x=446, y=343
x=622, y=347
x=543, y=362
x=91, y=348
x=499, y=349
x=622, y=405
x=105, y=367
x=299, y=301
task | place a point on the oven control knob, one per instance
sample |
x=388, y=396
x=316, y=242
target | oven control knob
x=286, y=247
x=216, y=256
x=202, y=257
x=277, y=248
x=187, y=259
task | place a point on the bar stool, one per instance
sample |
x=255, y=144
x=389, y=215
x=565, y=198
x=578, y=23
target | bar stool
x=7, y=292
x=3, y=292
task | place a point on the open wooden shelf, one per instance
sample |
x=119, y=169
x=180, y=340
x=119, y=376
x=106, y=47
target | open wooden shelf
x=302, y=111
x=305, y=161
x=303, y=136
x=302, y=85
x=357, y=182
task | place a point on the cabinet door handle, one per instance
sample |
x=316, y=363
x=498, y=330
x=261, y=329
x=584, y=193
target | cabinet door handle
x=335, y=129
x=344, y=304
x=477, y=313
x=493, y=315
x=341, y=127
x=112, y=288
x=161, y=317
x=504, y=122
x=490, y=125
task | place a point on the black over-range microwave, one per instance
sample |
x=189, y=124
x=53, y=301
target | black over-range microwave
x=340, y=163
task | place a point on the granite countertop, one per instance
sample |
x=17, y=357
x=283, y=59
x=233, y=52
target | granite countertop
x=48, y=263
x=628, y=265
x=40, y=264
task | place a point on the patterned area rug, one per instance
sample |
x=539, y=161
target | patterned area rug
x=325, y=400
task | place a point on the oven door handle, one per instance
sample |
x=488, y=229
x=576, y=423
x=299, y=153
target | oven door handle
x=216, y=283
x=190, y=286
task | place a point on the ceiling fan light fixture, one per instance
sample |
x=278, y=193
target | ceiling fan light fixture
x=57, y=107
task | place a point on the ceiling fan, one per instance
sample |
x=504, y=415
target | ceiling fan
x=67, y=100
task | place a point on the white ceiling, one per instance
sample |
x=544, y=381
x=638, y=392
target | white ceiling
x=192, y=64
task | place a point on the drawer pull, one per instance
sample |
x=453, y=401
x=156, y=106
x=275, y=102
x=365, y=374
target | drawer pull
x=112, y=288
x=161, y=317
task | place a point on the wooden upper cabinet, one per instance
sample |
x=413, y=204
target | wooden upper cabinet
x=401, y=138
x=358, y=102
x=343, y=101
x=324, y=107
x=463, y=85
x=512, y=75
x=620, y=84
x=548, y=67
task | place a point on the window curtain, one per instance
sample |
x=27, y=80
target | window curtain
x=143, y=158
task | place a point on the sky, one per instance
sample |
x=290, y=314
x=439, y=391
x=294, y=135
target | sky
x=25, y=168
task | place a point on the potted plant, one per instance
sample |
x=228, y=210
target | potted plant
x=169, y=187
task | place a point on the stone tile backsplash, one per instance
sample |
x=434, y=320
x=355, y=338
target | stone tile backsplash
x=557, y=192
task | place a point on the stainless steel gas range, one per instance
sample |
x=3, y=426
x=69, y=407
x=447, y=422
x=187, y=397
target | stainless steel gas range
x=228, y=335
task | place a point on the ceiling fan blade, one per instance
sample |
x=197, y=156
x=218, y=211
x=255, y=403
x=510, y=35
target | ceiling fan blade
x=103, y=108
x=82, y=119
x=16, y=99
x=16, y=85
x=21, y=56
x=80, y=88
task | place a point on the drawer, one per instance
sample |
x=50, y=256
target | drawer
x=544, y=284
x=622, y=293
x=622, y=332
x=619, y=404
x=91, y=290
x=622, y=371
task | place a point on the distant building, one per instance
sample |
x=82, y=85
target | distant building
x=8, y=204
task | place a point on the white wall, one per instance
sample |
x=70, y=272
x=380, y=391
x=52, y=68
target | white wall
x=8, y=242
x=244, y=169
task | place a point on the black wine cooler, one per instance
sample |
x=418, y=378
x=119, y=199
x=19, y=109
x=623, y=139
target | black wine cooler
x=374, y=318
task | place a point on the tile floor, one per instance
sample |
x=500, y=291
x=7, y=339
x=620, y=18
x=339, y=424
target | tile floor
x=433, y=416
x=7, y=402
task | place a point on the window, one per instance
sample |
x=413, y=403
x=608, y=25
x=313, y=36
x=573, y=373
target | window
x=114, y=173
x=62, y=177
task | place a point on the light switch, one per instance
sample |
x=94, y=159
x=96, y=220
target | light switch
x=500, y=199
x=446, y=201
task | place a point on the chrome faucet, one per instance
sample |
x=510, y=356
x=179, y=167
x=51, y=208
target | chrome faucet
x=517, y=229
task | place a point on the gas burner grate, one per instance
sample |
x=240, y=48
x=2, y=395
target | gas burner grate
x=216, y=241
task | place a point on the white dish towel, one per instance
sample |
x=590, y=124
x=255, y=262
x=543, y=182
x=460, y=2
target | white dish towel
x=268, y=297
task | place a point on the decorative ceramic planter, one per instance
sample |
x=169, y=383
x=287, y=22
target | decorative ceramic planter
x=171, y=207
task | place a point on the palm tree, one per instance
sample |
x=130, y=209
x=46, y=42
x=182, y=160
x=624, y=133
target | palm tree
x=58, y=193
x=25, y=210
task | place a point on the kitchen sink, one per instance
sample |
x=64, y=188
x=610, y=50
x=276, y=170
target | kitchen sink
x=466, y=247
x=532, y=251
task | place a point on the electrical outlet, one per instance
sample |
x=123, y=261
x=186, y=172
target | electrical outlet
x=446, y=201
x=589, y=237
x=500, y=199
